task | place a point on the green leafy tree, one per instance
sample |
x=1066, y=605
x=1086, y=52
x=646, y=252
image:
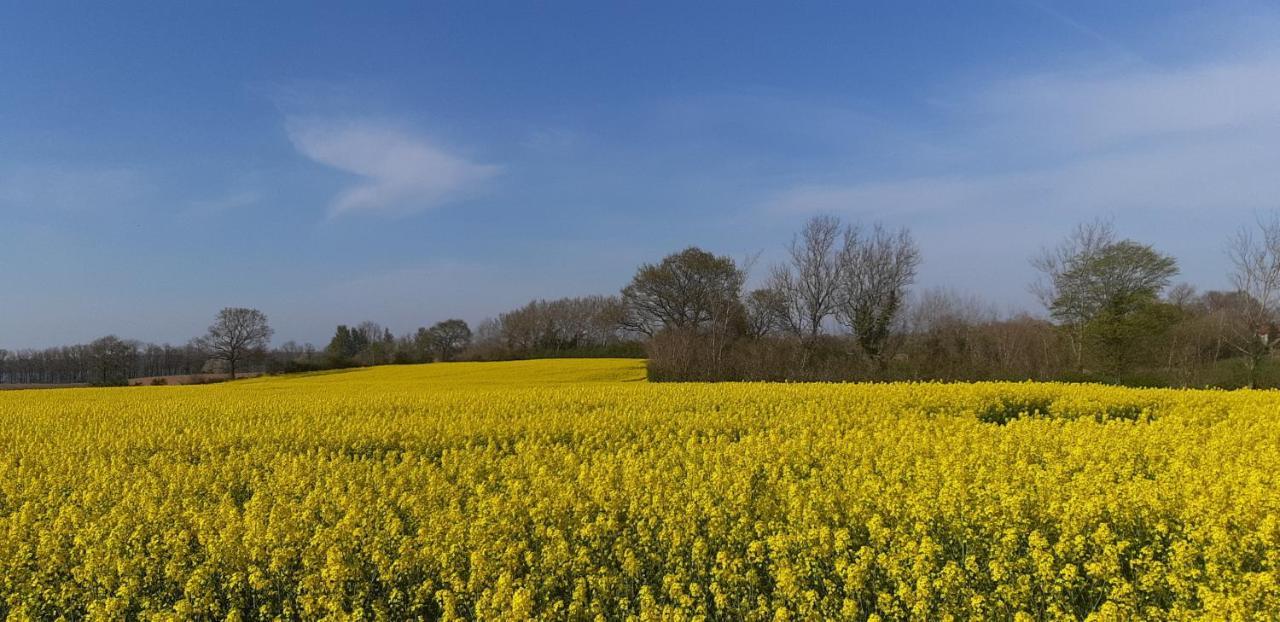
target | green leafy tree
x=692, y=290
x=345, y=345
x=1127, y=334
x=445, y=340
x=1092, y=280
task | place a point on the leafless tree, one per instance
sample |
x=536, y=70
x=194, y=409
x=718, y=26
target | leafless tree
x=763, y=309
x=1183, y=296
x=235, y=334
x=809, y=285
x=940, y=309
x=1255, y=257
x=487, y=341
x=111, y=360
x=876, y=269
x=583, y=324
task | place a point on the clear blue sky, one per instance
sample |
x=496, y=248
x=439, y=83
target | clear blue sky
x=411, y=162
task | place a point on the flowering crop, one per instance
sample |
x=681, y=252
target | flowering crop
x=571, y=490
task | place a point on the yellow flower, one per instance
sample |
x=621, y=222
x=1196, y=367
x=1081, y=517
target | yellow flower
x=567, y=489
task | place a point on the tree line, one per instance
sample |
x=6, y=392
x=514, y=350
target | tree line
x=238, y=336
x=106, y=361
x=238, y=342
x=840, y=307
x=588, y=326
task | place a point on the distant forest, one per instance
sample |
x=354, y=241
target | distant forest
x=840, y=308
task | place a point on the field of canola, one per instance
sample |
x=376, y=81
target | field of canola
x=574, y=490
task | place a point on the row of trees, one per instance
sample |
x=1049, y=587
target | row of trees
x=237, y=336
x=701, y=325
x=584, y=326
x=239, y=341
x=369, y=343
x=839, y=308
x=109, y=360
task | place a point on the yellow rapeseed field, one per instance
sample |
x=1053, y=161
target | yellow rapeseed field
x=574, y=490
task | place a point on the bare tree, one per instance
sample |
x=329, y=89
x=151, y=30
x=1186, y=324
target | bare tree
x=876, y=269
x=237, y=333
x=810, y=285
x=940, y=309
x=762, y=312
x=111, y=360
x=542, y=327
x=1255, y=256
x=1183, y=296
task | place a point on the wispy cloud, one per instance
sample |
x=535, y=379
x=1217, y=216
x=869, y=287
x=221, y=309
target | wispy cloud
x=1089, y=32
x=1224, y=173
x=1103, y=107
x=1178, y=153
x=402, y=173
x=226, y=203
x=1199, y=135
x=70, y=188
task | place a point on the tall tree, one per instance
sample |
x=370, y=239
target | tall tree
x=445, y=340
x=876, y=269
x=111, y=360
x=764, y=310
x=237, y=333
x=808, y=287
x=343, y=346
x=1092, y=276
x=1055, y=264
x=376, y=344
x=690, y=290
x=1251, y=324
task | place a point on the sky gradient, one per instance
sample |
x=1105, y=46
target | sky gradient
x=410, y=162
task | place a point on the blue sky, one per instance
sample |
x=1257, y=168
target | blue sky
x=411, y=162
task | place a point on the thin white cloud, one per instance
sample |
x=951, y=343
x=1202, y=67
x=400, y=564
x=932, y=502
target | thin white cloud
x=552, y=140
x=1085, y=30
x=1225, y=173
x=1179, y=154
x=1203, y=135
x=1104, y=107
x=402, y=173
x=226, y=203
x=70, y=189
